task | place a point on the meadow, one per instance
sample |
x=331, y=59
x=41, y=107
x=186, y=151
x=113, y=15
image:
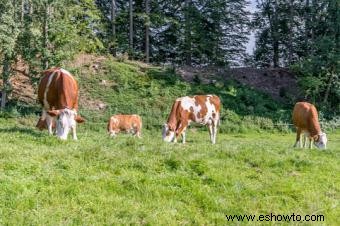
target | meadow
x=253, y=168
x=101, y=181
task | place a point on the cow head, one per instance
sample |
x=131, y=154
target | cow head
x=66, y=120
x=167, y=134
x=321, y=141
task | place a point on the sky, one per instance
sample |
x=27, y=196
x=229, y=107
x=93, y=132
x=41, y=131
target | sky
x=251, y=43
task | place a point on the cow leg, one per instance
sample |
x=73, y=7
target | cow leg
x=214, y=133
x=138, y=132
x=298, y=137
x=181, y=128
x=49, y=122
x=215, y=130
x=310, y=142
x=304, y=140
x=211, y=132
x=74, y=133
x=183, y=136
x=112, y=134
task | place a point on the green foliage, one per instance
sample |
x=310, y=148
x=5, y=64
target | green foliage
x=312, y=52
x=319, y=74
x=8, y=28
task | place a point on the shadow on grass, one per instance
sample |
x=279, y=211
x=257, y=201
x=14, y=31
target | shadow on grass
x=28, y=131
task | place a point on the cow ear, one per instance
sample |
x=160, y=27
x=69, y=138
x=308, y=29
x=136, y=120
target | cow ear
x=79, y=119
x=53, y=113
x=41, y=124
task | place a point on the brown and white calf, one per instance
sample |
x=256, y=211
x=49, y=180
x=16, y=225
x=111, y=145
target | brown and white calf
x=58, y=95
x=126, y=123
x=305, y=119
x=202, y=109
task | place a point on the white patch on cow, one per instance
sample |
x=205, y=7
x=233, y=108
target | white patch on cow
x=65, y=72
x=112, y=133
x=114, y=119
x=46, y=104
x=188, y=104
x=209, y=118
x=167, y=135
x=322, y=143
x=62, y=70
x=65, y=122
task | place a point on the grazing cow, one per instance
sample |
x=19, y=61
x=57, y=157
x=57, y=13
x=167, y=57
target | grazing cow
x=127, y=123
x=305, y=119
x=58, y=95
x=203, y=109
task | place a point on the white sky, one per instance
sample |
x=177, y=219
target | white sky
x=251, y=43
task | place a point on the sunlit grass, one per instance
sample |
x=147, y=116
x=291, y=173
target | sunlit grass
x=97, y=180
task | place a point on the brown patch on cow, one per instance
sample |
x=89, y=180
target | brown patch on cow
x=79, y=119
x=201, y=100
x=62, y=92
x=125, y=123
x=41, y=124
x=172, y=119
x=215, y=100
x=305, y=117
x=179, y=118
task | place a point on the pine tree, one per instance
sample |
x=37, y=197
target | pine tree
x=9, y=31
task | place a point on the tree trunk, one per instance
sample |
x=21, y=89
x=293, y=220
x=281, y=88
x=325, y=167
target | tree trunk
x=307, y=28
x=147, y=31
x=290, y=36
x=6, y=71
x=275, y=36
x=22, y=11
x=131, y=30
x=113, y=26
x=45, y=37
x=187, y=9
x=31, y=7
x=328, y=89
x=314, y=12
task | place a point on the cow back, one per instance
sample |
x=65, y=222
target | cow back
x=305, y=117
x=58, y=90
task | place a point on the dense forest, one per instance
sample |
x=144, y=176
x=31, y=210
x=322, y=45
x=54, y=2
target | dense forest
x=300, y=35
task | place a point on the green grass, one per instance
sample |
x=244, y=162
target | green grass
x=252, y=169
x=101, y=181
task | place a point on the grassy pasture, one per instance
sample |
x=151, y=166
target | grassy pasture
x=252, y=169
x=101, y=181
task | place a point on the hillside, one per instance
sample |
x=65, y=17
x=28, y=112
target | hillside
x=279, y=83
x=109, y=86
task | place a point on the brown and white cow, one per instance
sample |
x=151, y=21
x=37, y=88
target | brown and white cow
x=58, y=95
x=126, y=123
x=203, y=109
x=305, y=119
